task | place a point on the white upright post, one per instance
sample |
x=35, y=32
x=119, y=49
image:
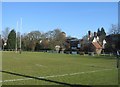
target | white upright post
x=20, y=33
x=16, y=37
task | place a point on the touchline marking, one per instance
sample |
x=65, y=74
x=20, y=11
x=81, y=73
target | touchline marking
x=13, y=80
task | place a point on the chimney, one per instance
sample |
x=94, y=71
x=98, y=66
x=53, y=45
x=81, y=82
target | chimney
x=89, y=35
x=95, y=34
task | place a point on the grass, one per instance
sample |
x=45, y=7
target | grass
x=40, y=64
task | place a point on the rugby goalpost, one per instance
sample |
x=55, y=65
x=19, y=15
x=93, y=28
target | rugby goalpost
x=20, y=28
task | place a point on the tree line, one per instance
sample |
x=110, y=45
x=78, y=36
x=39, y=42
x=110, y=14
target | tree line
x=36, y=40
x=33, y=41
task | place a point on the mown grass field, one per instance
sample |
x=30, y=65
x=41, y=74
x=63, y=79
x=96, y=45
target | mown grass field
x=72, y=69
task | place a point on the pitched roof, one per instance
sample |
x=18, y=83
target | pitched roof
x=97, y=45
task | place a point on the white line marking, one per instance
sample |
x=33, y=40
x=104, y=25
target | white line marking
x=39, y=65
x=13, y=80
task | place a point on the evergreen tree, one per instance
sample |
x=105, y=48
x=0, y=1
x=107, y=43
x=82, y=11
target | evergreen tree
x=98, y=32
x=11, y=40
x=102, y=34
x=103, y=31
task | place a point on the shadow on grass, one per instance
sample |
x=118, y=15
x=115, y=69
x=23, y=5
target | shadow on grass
x=37, y=78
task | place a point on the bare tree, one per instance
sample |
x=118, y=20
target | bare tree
x=56, y=37
x=5, y=33
x=29, y=40
x=114, y=29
